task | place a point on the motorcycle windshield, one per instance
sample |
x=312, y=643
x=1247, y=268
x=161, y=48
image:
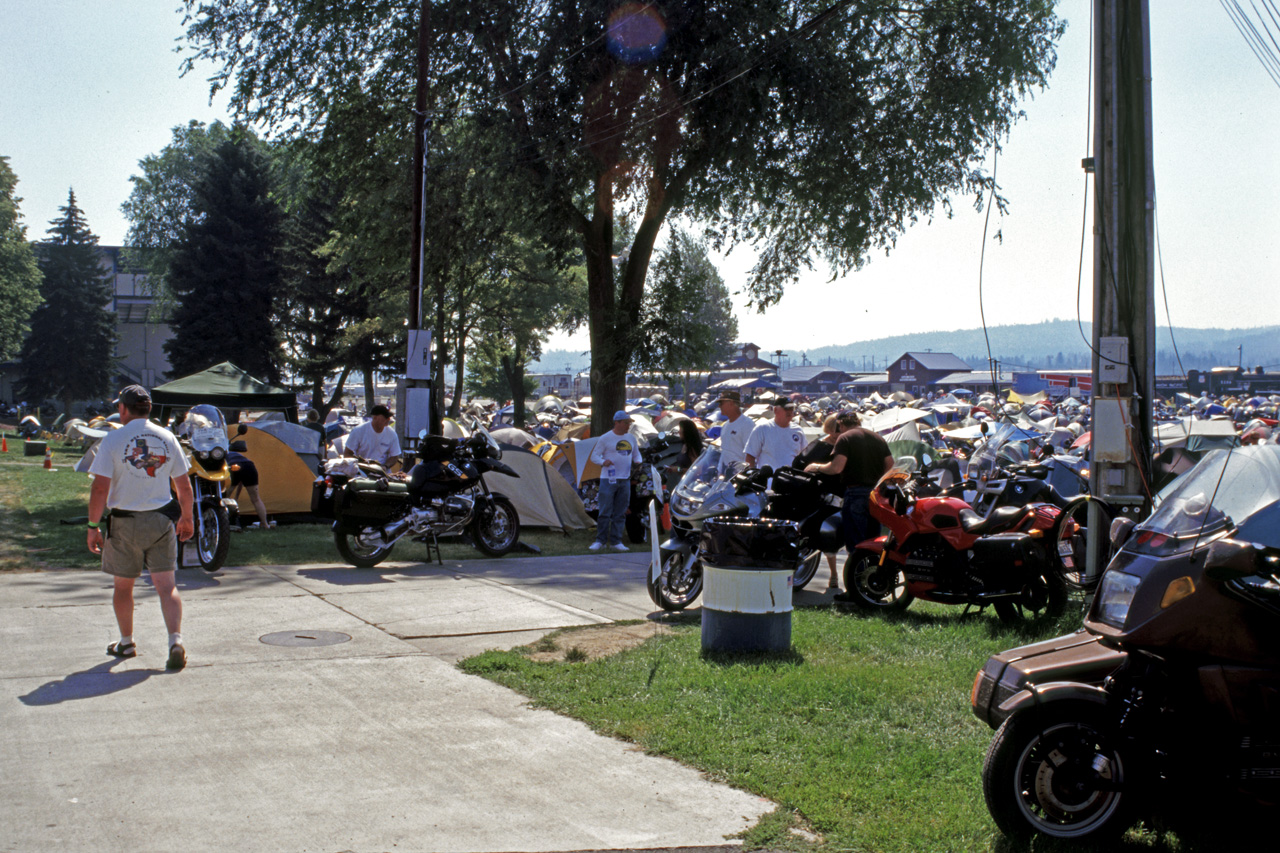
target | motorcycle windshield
x=1234, y=487
x=701, y=476
x=205, y=427
x=995, y=452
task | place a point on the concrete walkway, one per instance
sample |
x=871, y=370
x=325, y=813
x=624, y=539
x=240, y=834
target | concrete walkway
x=374, y=743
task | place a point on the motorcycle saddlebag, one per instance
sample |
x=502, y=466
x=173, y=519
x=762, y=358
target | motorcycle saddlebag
x=1008, y=551
x=324, y=491
x=373, y=501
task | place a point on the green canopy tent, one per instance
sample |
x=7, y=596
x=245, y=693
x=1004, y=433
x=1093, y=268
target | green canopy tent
x=228, y=388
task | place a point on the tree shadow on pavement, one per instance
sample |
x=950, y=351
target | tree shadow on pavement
x=95, y=681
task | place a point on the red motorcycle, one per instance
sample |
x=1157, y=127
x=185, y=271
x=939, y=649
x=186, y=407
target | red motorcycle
x=940, y=549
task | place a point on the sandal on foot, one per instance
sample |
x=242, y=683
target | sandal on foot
x=177, y=657
x=122, y=650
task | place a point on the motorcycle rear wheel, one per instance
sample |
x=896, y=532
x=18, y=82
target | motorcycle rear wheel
x=213, y=543
x=496, y=527
x=1041, y=770
x=872, y=587
x=1045, y=596
x=1069, y=547
x=680, y=582
x=358, y=552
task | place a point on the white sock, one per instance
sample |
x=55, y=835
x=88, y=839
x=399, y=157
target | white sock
x=174, y=639
x=126, y=641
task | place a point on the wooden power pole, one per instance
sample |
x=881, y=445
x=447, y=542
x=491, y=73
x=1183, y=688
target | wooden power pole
x=1123, y=264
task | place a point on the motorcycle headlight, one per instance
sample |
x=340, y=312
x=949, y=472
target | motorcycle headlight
x=681, y=505
x=202, y=454
x=1115, y=595
x=218, y=453
x=717, y=508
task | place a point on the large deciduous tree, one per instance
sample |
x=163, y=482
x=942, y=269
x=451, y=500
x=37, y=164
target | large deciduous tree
x=68, y=354
x=814, y=131
x=225, y=270
x=19, y=274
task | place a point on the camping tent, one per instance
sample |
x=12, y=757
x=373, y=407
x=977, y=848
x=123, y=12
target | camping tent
x=284, y=479
x=227, y=387
x=1196, y=434
x=302, y=440
x=541, y=497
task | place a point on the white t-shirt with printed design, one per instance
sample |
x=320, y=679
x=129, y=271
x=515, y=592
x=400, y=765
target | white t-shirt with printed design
x=615, y=453
x=140, y=458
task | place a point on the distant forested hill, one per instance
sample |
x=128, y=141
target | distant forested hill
x=1052, y=343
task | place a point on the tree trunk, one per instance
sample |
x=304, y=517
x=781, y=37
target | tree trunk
x=370, y=390
x=456, y=406
x=513, y=370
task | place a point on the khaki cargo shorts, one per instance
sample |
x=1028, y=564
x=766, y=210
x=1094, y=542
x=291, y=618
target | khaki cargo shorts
x=146, y=540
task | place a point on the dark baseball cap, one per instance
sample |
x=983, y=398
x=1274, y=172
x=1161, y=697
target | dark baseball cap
x=785, y=403
x=133, y=395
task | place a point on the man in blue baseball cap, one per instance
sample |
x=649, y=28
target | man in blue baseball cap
x=615, y=452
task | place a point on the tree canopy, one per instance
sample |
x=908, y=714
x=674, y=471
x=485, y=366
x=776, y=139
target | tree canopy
x=225, y=269
x=68, y=354
x=814, y=131
x=19, y=274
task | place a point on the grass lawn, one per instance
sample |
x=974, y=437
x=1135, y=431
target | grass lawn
x=862, y=734
x=42, y=515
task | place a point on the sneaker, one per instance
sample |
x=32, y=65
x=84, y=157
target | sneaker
x=177, y=657
x=595, y=546
x=621, y=547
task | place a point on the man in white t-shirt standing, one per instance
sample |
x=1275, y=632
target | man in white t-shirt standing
x=776, y=443
x=735, y=431
x=375, y=440
x=132, y=474
x=614, y=452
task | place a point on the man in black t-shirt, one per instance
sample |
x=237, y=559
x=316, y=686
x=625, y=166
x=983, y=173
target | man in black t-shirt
x=861, y=458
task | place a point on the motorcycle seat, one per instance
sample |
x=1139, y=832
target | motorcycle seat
x=391, y=487
x=1002, y=518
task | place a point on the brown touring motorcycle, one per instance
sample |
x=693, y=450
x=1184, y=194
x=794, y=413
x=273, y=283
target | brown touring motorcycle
x=1173, y=684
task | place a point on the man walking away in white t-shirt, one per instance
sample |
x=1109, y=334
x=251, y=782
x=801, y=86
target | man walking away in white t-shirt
x=132, y=473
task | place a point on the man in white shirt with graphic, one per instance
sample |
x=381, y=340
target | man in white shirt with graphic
x=614, y=452
x=735, y=431
x=375, y=440
x=776, y=443
x=132, y=474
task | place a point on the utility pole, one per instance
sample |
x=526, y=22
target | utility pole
x=1123, y=267
x=417, y=407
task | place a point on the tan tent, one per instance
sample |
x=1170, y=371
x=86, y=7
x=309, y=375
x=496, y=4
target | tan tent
x=541, y=496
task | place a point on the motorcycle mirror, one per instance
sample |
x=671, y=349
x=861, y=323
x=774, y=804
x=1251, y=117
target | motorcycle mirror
x=242, y=429
x=1120, y=530
x=422, y=434
x=926, y=459
x=1229, y=560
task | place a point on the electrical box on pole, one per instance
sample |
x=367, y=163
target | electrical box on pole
x=1123, y=265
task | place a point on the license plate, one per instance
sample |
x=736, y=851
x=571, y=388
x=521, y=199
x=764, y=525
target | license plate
x=1067, y=554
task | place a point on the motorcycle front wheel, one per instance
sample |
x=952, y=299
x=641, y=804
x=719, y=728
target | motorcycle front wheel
x=213, y=540
x=875, y=587
x=1057, y=772
x=810, y=559
x=1042, y=596
x=364, y=550
x=496, y=527
x=680, y=582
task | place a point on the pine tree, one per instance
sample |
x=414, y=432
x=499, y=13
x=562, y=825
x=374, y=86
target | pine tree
x=225, y=271
x=19, y=275
x=68, y=354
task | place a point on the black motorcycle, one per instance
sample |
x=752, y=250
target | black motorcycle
x=1172, y=686
x=444, y=495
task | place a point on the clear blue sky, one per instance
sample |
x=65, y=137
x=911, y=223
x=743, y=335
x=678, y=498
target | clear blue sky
x=89, y=88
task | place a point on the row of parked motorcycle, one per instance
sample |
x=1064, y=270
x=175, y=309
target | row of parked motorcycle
x=993, y=532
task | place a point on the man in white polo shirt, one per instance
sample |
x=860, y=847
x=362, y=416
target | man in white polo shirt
x=735, y=431
x=776, y=443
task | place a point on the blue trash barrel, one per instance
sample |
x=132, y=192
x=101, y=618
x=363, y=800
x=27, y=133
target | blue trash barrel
x=747, y=570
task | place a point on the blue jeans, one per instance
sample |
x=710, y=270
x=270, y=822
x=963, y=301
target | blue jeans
x=859, y=526
x=614, y=498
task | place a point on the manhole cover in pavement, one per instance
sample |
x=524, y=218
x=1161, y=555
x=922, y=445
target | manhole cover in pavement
x=305, y=638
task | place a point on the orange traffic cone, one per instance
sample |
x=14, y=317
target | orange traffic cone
x=48, y=459
x=4, y=444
